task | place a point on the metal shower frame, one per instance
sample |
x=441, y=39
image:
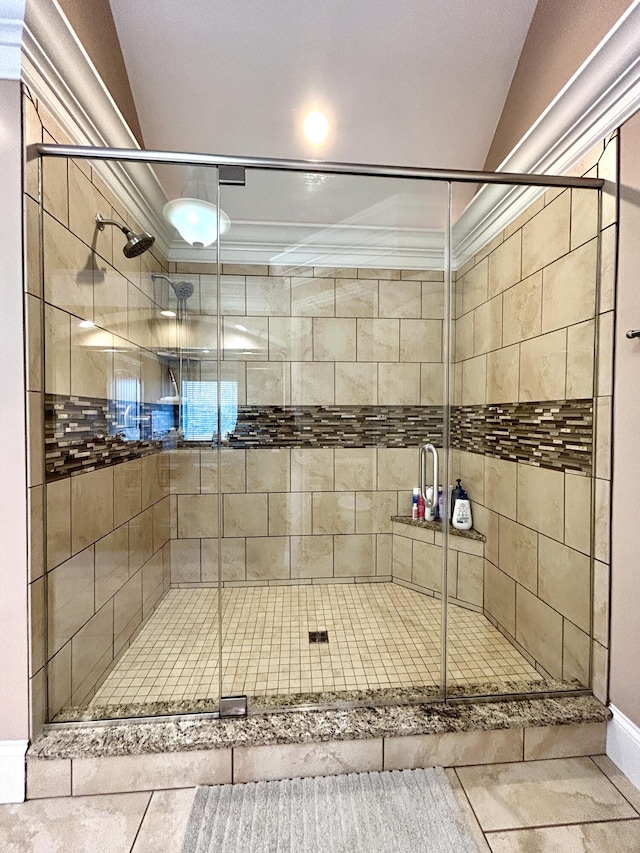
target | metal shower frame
x=449, y=176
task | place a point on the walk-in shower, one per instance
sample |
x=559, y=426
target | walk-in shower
x=253, y=536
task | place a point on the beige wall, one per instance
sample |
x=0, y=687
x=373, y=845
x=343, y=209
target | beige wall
x=14, y=694
x=625, y=590
x=103, y=566
x=527, y=313
x=561, y=36
x=93, y=23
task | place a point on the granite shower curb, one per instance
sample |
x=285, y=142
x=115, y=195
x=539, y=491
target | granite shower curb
x=293, y=727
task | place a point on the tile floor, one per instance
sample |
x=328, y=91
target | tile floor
x=381, y=635
x=576, y=805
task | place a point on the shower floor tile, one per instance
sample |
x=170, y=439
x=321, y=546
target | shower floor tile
x=380, y=635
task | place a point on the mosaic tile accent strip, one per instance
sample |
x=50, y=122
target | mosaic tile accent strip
x=85, y=433
x=555, y=434
x=336, y=426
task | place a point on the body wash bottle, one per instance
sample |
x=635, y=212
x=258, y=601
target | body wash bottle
x=461, y=518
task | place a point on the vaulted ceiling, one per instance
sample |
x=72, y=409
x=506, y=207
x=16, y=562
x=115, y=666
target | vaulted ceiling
x=404, y=83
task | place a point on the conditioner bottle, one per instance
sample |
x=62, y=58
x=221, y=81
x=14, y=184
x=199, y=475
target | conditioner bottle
x=461, y=518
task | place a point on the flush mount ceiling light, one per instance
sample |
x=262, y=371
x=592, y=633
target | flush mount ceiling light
x=196, y=220
x=194, y=216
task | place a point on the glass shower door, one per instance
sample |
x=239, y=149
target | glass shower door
x=522, y=401
x=332, y=314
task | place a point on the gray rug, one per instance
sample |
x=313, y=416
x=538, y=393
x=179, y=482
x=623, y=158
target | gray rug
x=400, y=811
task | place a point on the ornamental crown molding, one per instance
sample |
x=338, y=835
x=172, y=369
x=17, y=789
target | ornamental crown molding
x=602, y=94
x=59, y=72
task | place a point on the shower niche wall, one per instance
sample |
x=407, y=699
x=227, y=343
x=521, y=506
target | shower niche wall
x=228, y=489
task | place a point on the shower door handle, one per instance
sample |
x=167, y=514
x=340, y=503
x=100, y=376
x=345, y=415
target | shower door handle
x=424, y=450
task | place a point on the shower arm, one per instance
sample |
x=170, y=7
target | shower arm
x=101, y=222
x=156, y=275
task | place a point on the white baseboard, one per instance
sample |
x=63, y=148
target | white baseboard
x=623, y=745
x=12, y=770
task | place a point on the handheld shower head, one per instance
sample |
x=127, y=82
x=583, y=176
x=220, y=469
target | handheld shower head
x=136, y=243
x=182, y=289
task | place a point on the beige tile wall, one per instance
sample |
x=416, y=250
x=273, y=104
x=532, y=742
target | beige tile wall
x=307, y=336
x=104, y=563
x=526, y=318
x=298, y=515
x=417, y=563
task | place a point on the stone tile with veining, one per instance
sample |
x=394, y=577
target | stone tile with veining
x=622, y=836
x=69, y=824
x=539, y=793
x=165, y=821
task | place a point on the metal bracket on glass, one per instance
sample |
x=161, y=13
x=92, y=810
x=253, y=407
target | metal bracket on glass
x=231, y=175
x=233, y=706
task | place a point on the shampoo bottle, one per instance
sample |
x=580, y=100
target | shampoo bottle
x=414, y=504
x=461, y=518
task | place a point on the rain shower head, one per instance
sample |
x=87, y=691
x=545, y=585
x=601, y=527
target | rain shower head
x=182, y=289
x=136, y=243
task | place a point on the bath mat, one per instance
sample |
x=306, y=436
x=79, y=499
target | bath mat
x=398, y=811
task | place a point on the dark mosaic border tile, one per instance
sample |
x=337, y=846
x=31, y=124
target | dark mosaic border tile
x=555, y=434
x=82, y=433
x=336, y=426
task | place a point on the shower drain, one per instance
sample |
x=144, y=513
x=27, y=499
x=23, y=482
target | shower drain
x=318, y=636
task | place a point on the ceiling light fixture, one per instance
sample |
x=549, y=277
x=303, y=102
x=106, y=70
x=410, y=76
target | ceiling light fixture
x=316, y=127
x=196, y=220
x=194, y=217
x=168, y=313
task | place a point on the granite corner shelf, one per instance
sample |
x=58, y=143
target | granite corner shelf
x=437, y=526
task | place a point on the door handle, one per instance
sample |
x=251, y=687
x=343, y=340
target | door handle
x=433, y=500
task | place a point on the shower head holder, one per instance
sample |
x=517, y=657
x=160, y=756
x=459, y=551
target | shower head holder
x=182, y=289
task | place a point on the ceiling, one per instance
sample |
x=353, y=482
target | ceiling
x=402, y=83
